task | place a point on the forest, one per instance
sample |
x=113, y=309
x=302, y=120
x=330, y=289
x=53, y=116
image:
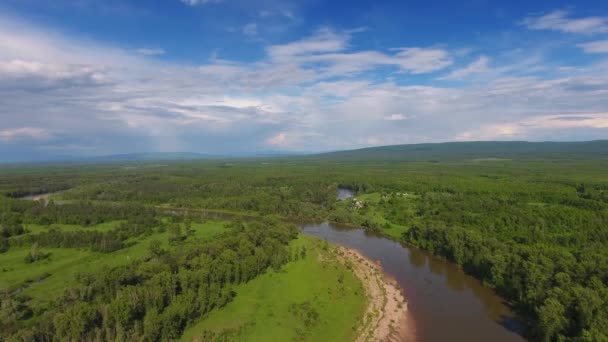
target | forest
x=534, y=230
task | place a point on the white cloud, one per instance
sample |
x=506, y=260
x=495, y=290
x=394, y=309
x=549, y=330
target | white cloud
x=288, y=14
x=15, y=134
x=256, y=76
x=324, y=41
x=560, y=21
x=285, y=13
x=329, y=49
x=32, y=75
x=343, y=88
x=598, y=46
x=279, y=139
x=250, y=29
x=411, y=60
x=526, y=127
x=495, y=131
x=568, y=121
x=421, y=60
x=199, y=2
x=396, y=117
x=151, y=51
x=476, y=67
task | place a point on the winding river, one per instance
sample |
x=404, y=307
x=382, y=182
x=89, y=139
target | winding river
x=444, y=303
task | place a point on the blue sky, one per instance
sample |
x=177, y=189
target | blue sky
x=93, y=77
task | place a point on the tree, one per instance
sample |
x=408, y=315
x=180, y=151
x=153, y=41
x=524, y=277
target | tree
x=188, y=226
x=155, y=248
x=552, y=319
x=175, y=233
x=35, y=254
x=152, y=325
x=4, y=246
x=303, y=252
x=76, y=322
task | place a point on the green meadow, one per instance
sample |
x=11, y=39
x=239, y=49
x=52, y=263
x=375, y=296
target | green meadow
x=311, y=299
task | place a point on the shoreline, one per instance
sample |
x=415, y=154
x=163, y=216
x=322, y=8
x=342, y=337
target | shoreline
x=386, y=317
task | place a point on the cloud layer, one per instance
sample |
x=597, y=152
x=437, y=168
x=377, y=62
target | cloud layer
x=69, y=96
x=561, y=21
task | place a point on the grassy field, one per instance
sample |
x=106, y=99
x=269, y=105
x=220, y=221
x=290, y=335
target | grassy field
x=47, y=278
x=312, y=299
x=373, y=210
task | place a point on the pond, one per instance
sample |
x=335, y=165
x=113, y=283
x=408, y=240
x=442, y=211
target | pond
x=345, y=193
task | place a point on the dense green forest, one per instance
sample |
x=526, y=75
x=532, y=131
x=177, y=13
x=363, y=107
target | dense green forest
x=533, y=228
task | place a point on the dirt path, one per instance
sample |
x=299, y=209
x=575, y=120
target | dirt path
x=386, y=316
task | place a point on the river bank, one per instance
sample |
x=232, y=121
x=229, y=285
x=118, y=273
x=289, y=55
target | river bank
x=44, y=197
x=439, y=293
x=386, y=316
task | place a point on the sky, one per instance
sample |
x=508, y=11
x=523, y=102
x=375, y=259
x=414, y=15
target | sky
x=99, y=77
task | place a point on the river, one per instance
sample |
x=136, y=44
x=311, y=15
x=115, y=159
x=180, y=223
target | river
x=445, y=303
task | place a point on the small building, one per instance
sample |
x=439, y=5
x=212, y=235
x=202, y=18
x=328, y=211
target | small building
x=357, y=204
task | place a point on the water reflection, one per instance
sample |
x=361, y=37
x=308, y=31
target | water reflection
x=417, y=259
x=345, y=193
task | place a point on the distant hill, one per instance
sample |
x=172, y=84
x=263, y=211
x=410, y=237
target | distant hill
x=152, y=156
x=130, y=157
x=159, y=156
x=488, y=150
x=475, y=150
x=147, y=157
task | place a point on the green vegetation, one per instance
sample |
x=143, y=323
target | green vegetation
x=390, y=214
x=101, y=227
x=306, y=300
x=46, y=280
x=529, y=220
x=476, y=151
x=156, y=297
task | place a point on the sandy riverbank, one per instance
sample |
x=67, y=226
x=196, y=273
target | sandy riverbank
x=386, y=316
